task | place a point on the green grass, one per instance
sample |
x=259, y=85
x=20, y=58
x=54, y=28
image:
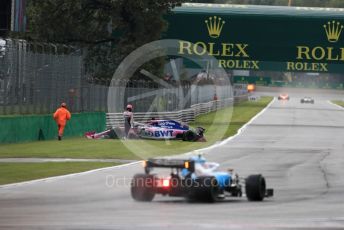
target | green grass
x=340, y=103
x=68, y=148
x=219, y=125
x=18, y=172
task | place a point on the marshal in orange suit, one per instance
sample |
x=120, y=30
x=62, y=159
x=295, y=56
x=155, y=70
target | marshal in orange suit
x=61, y=116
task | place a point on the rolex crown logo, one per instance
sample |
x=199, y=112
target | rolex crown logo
x=333, y=30
x=214, y=25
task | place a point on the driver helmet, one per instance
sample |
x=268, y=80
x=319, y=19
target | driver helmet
x=198, y=159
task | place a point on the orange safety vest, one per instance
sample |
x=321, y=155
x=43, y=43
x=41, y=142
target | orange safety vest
x=61, y=116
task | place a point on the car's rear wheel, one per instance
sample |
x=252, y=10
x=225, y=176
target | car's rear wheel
x=255, y=187
x=112, y=134
x=143, y=187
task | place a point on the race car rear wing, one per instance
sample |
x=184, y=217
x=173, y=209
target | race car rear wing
x=169, y=163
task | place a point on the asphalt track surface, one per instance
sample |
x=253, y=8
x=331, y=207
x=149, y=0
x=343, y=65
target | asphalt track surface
x=299, y=148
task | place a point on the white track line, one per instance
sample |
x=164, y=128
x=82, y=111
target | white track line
x=49, y=179
x=237, y=134
x=338, y=106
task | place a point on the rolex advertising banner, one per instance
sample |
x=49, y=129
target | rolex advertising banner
x=261, y=37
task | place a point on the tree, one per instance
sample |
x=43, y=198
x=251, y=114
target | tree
x=107, y=30
x=306, y=3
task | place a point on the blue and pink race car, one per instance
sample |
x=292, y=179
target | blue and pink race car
x=169, y=129
x=154, y=129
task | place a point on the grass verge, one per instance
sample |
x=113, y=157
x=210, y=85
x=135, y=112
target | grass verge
x=340, y=103
x=137, y=149
x=18, y=172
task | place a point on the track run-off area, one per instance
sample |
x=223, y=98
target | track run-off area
x=298, y=147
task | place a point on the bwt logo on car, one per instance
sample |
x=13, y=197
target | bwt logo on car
x=159, y=133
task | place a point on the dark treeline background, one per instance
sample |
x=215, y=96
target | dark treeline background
x=309, y=3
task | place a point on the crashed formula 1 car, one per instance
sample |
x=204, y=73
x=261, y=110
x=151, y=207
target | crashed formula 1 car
x=169, y=129
x=154, y=129
x=196, y=180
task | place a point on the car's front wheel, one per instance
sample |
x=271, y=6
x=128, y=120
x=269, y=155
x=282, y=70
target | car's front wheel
x=189, y=136
x=255, y=187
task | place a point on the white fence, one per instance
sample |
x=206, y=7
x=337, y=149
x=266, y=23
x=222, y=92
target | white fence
x=186, y=115
x=153, y=97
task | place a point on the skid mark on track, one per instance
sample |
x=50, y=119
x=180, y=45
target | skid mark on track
x=323, y=170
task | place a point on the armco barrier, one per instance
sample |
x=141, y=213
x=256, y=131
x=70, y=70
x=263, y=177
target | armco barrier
x=43, y=127
x=187, y=115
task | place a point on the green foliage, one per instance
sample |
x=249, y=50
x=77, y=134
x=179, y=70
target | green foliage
x=313, y=3
x=340, y=103
x=108, y=30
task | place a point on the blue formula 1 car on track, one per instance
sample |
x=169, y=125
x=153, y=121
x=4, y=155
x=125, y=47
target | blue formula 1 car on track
x=197, y=180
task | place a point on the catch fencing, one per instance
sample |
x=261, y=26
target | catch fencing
x=36, y=77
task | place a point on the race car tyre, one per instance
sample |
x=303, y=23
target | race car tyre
x=189, y=136
x=112, y=134
x=132, y=135
x=119, y=132
x=143, y=187
x=255, y=188
x=205, y=189
x=141, y=133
